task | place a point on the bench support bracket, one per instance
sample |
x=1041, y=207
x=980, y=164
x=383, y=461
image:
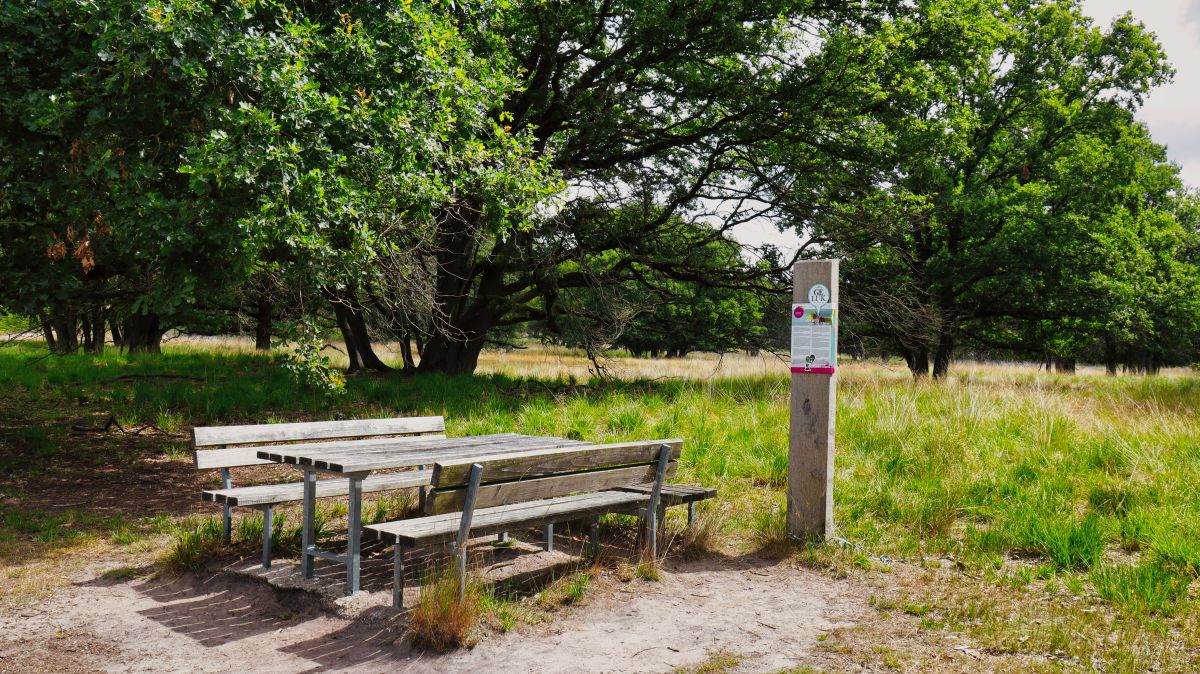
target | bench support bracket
x=664, y=456
x=464, y=527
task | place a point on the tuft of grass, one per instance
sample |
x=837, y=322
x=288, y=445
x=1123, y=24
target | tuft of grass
x=564, y=591
x=194, y=544
x=718, y=662
x=703, y=537
x=1142, y=590
x=440, y=621
x=649, y=569
x=390, y=507
x=769, y=532
x=121, y=574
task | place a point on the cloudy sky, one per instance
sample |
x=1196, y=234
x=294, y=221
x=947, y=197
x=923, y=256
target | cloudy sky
x=1173, y=111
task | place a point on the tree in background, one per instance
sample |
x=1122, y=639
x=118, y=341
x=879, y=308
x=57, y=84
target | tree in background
x=157, y=155
x=980, y=227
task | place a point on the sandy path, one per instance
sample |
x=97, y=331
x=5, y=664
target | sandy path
x=771, y=613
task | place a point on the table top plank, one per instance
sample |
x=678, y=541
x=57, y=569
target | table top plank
x=293, y=453
x=407, y=452
x=360, y=464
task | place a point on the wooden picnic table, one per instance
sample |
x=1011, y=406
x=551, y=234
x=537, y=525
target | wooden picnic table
x=356, y=460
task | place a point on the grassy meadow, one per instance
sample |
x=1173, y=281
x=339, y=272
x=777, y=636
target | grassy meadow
x=1043, y=516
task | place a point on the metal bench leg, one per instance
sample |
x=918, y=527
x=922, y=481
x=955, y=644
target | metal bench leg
x=691, y=513
x=424, y=493
x=266, y=537
x=227, y=520
x=548, y=532
x=502, y=537
x=354, y=536
x=398, y=576
x=310, y=513
x=594, y=534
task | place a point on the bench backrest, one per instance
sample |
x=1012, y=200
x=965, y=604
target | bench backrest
x=538, y=474
x=239, y=445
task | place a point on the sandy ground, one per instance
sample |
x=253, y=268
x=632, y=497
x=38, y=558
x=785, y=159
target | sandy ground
x=769, y=612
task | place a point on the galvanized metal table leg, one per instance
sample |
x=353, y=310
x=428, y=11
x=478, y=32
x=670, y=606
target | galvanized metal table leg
x=691, y=513
x=266, y=537
x=594, y=534
x=227, y=520
x=424, y=493
x=354, y=535
x=310, y=515
x=398, y=576
x=502, y=537
x=548, y=533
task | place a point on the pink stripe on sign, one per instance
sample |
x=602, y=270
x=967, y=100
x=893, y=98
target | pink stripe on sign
x=813, y=370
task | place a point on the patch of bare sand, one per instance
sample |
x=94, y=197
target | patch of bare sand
x=771, y=613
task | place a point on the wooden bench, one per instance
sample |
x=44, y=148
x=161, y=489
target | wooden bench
x=492, y=494
x=227, y=447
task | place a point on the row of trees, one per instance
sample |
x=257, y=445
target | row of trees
x=453, y=174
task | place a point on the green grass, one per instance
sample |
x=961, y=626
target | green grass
x=1086, y=484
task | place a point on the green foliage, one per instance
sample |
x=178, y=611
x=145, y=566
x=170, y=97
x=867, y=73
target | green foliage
x=162, y=152
x=1017, y=207
x=310, y=366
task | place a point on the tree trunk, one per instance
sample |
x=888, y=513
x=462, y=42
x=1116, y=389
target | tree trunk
x=917, y=360
x=66, y=332
x=85, y=324
x=98, y=321
x=262, y=326
x=48, y=332
x=945, y=351
x=1110, y=356
x=406, y=353
x=455, y=348
x=142, y=334
x=1064, y=365
x=114, y=327
x=353, y=327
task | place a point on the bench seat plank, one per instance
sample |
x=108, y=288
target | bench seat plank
x=675, y=494
x=436, y=529
x=272, y=494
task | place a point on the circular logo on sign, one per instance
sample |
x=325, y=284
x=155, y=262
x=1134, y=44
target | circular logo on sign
x=818, y=294
x=798, y=312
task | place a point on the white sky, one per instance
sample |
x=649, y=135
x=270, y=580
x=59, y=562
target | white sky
x=1172, y=111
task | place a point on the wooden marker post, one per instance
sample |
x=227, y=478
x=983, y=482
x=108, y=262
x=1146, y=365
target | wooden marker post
x=814, y=385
